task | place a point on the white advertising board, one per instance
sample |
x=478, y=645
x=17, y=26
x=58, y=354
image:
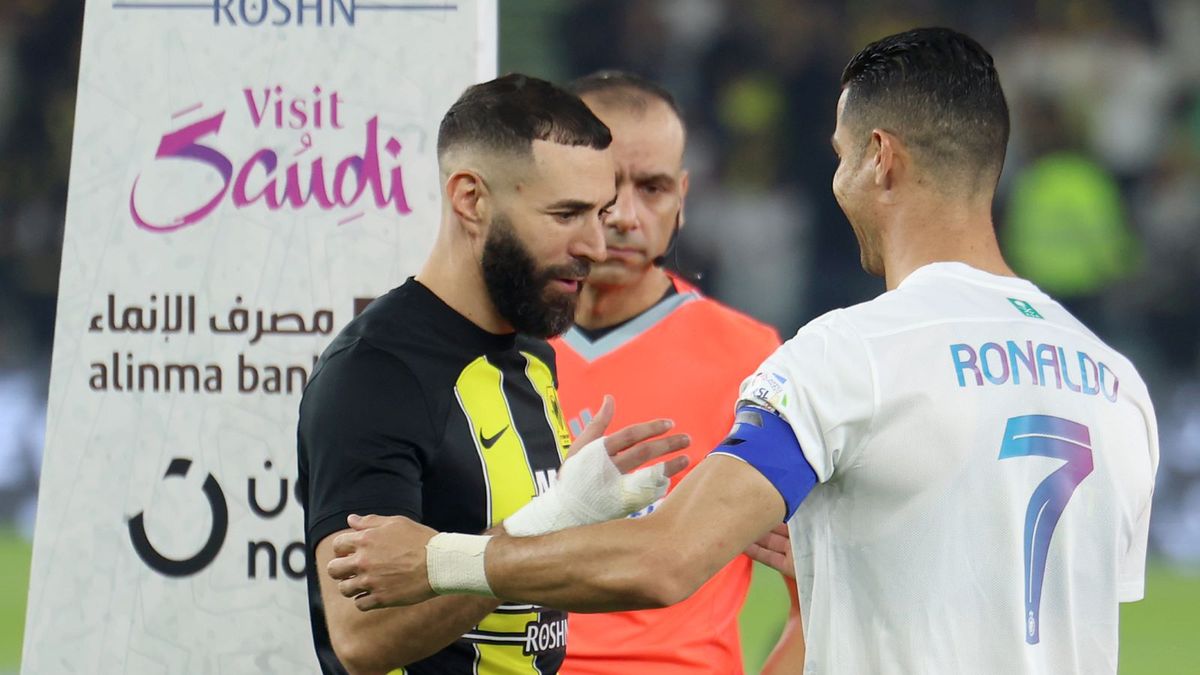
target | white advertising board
x=243, y=172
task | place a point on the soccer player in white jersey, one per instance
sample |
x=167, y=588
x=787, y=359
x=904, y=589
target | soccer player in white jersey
x=965, y=469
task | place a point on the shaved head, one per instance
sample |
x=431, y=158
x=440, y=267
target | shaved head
x=624, y=91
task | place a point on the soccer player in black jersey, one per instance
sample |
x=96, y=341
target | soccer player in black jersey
x=439, y=401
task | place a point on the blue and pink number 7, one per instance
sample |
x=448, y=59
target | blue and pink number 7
x=1046, y=436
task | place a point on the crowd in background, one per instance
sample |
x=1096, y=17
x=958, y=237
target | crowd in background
x=1099, y=203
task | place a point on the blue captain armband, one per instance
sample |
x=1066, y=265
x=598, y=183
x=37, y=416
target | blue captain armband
x=762, y=439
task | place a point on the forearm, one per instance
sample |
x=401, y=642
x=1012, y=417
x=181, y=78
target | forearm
x=788, y=654
x=383, y=640
x=607, y=567
x=646, y=562
x=386, y=639
x=723, y=506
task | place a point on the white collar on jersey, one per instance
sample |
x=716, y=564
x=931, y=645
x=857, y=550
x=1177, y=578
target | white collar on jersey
x=965, y=271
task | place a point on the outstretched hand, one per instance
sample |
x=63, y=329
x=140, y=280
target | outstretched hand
x=626, y=446
x=601, y=480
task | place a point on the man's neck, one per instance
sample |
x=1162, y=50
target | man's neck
x=602, y=306
x=955, y=232
x=456, y=278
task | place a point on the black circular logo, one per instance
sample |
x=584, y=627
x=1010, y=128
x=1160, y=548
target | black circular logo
x=220, y=524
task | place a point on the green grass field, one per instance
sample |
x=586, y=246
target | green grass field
x=1160, y=635
x=14, y=587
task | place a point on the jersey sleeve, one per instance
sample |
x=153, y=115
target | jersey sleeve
x=821, y=383
x=763, y=439
x=1131, y=575
x=1131, y=584
x=365, y=436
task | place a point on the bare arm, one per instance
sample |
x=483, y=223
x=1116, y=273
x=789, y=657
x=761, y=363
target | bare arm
x=788, y=654
x=382, y=641
x=655, y=561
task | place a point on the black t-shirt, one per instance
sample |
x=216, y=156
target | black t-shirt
x=415, y=411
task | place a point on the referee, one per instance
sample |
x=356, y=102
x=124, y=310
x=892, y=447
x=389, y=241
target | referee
x=439, y=401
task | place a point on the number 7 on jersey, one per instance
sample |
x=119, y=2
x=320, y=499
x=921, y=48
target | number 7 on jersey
x=1046, y=436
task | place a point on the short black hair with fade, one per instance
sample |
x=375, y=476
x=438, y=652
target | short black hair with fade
x=625, y=89
x=509, y=113
x=938, y=90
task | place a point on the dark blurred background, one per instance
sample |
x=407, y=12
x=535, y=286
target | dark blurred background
x=1099, y=202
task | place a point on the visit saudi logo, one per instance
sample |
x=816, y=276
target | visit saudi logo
x=1025, y=308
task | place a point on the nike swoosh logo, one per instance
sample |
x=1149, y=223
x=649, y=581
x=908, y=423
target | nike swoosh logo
x=488, y=442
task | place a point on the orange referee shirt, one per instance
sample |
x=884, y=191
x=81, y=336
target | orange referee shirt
x=684, y=359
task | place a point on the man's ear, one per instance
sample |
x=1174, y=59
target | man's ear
x=469, y=200
x=684, y=181
x=891, y=159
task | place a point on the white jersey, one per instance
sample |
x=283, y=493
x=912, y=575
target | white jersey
x=986, y=465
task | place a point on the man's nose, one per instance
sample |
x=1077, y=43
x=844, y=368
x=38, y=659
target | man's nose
x=623, y=217
x=589, y=241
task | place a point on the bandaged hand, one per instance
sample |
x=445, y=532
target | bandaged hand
x=598, y=480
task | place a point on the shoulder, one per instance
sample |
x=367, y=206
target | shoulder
x=396, y=333
x=1132, y=387
x=361, y=393
x=840, y=328
x=828, y=352
x=888, y=311
x=393, y=321
x=718, y=317
x=352, y=371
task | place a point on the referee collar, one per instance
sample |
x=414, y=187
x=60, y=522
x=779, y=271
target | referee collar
x=611, y=341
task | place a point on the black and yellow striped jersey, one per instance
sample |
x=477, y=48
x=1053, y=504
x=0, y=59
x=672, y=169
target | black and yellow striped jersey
x=413, y=410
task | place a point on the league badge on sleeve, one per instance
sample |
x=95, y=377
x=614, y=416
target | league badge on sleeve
x=766, y=389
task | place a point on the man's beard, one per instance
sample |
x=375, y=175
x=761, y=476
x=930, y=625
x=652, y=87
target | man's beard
x=520, y=291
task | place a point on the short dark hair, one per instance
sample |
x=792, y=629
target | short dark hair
x=939, y=91
x=624, y=88
x=508, y=113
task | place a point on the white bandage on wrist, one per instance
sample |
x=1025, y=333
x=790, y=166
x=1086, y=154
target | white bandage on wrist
x=455, y=564
x=590, y=489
